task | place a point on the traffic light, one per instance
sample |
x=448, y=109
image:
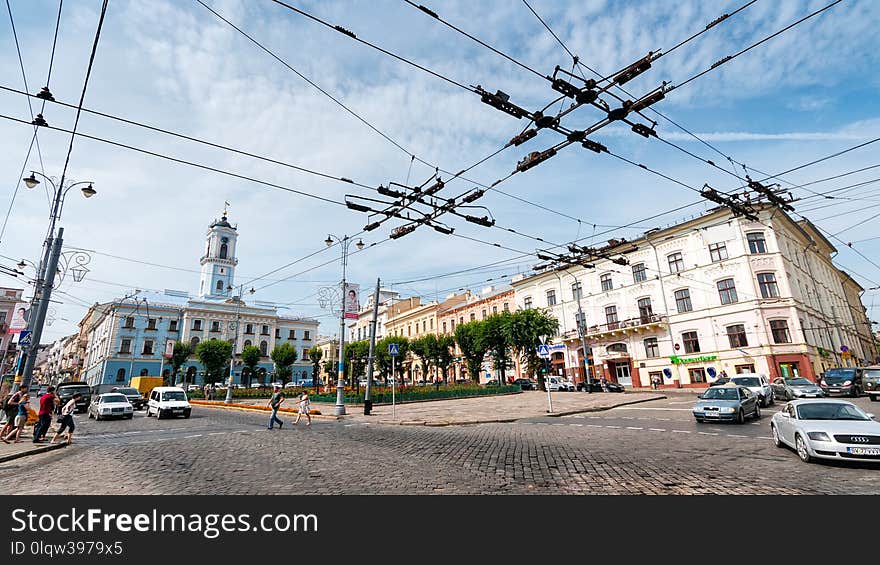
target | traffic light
x=545, y=367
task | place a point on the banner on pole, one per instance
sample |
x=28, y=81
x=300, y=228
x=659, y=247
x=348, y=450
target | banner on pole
x=19, y=318
x=352, y=301
x=169, y=348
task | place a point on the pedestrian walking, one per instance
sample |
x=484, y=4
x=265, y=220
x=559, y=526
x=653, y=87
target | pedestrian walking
x=66, y=419
x=305, y=406
x=207, y=391
x=10, y=407
x=275, y=404
x=20, y=419
x=47, y=405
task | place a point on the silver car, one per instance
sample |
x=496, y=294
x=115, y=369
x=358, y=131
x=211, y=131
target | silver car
x=827, y=429
x=727, y=403
x=110, y=405
x=756, y=383
x=789, y=389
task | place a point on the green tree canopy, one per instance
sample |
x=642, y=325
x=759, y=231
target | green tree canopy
x=497, y=340
x=182, y=351
x=442, y=354
x=525, y=329
x=383, y=360
x=214, y=354
x=284, y=356
x=470, y=339
x=250, y=356
x=356, y=353
x=315, y=355
x=425, y=349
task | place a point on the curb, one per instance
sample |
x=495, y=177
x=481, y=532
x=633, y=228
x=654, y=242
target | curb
x=603, y=408
x=41, y=449
x=224, y=407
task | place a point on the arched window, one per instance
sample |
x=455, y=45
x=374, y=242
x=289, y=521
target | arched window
x=247, y=343
x=264, y=348
x=194, y=341
x=120, y=375
x=144, y=372
x=616, y=348
x=219, y=285
x=223, y=250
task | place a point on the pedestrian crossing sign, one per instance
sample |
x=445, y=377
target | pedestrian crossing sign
x=393, y=349
x=543, y=351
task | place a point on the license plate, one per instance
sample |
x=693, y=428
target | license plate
x=834, y=389
x=863, y=450
x=712, y=414
x=178, y=409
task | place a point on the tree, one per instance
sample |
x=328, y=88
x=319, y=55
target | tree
x=355, y=352
x=214, y=354
x=423, y=348
x=182, y=351
x=315, y=355
x=525, y=330
x=441, y=355
x=284, y=356
x=250, y=356
x=497, y=341
x=470, y=339
x=383, y=360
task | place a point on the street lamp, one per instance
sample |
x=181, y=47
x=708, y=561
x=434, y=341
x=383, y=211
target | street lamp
x=340, y=372
x=45, y=279
x=238, y=303
x=546, y=384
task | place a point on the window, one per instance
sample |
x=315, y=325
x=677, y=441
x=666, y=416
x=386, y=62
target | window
x=580, y=320
x=409, y=330
x=291, y=334
x=219, y=285
x=424, y=327
x=249, y=328
x=494, y=309
x=151, y=323
x=148, y=347
x=779, y=329
x=576, y=291
x=727, y=291
x=737, y=336
x=756, y=242
x=506, y=307
x=277, y=333
x=215, y=326
x=717, y=251
x=484, y=314
x=645, y=311
x=461, y=319
x=527, y=302
x=172, y=326
x=606, y=282
x=129, y=322
x=697, y=375
x=452, y=325
x=767, y=283
x=144, y=372
x=305, y=354
x=120, y=376
x=194, y=342
x=611, y=317
x=683, y=301
x=551, y=298
x=264, y=348
x=691, y=342
x=750, y=368
x=652, y=350
x=224, y=250
x=640, y=273
x=306, y=336
x=616, y=348
x=125, y=346
x=197, y=325
x=676, y=263
x=444, y=326
x=431, y=322
x=247, y=343
x=264, y=330
x=473, y=316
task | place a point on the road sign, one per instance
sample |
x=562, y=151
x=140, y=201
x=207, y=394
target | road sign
x=543, y=351
x=393, y=349
x=676, y=346
x=24, y=338
x=844, y=349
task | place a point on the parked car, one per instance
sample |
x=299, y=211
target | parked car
x=728, y=402
x=871, y=379
x=193, y=388
x=133, y=395
x=598, y=386
x=292, y=385
x=756, y=383
x=65, y=392
x=843, y=380
x=526, y=384
x=557, y=384
x=491, y=382
x=827, y=429
x=720, y=381
x=110, y=405
x=789, y=389
x=168, y=401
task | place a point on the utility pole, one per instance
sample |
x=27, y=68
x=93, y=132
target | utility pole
x=368, y=402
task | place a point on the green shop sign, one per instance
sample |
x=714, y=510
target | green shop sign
x=680, y=360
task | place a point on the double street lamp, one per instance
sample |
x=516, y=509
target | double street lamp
x=235, y=329
x=340, y=372
x=47, y=268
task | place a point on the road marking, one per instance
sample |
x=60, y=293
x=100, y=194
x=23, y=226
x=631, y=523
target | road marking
x=594, y=426
x=657, y=429
x=681, y=431
x=216, y=433
x=558, y=424
x=195, y=435
x=669, y=409
x=764, y=437
x=736, y=435
x=613, y=427
x=634, y=428
x=680, y=402
x=578, y=425
x=708, y=433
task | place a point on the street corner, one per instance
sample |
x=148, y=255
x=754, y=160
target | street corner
x=25, y=448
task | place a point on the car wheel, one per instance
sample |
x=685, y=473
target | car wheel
x=757, y=413
x=772, y=399
x=158, y=414
x=699, y=420
x=90, y=416
x=97, y=417
x=801, y=447
x=875, y=398
x=130, y=416
x=740, y=417
x=776, y=441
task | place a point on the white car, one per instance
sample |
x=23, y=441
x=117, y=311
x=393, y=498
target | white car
x=110, y=405
x=168, y=401
x=758, y=384
x=827, y=429
x=555, y=384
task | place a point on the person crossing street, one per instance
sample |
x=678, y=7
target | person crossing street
x=275, y=404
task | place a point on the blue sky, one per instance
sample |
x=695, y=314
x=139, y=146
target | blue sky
x=172, y=64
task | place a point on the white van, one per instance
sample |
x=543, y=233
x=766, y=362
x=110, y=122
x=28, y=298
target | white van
x=168, y=401
x=558, y=384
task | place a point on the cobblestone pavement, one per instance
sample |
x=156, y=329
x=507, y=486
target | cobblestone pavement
x=227, y=452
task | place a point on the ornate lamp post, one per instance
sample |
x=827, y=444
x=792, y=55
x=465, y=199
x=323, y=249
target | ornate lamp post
x=340, y=374
x=235, y=329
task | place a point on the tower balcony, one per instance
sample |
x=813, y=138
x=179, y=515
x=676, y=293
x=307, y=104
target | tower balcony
x=218, y=261
x=638, y=325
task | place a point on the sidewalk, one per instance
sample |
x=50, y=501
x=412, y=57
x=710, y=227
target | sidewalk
x=25, y=448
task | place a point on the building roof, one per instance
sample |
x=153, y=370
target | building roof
x=222, y=223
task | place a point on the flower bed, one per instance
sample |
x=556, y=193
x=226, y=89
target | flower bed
x=313, y=411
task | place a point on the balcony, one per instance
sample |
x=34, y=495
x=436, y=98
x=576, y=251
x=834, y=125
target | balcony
x=640, y=324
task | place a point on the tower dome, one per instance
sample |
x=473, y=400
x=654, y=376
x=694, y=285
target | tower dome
x=218, y=263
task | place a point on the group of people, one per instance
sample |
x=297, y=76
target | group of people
x=275, y=401
x=15, y=405
x=210, y=391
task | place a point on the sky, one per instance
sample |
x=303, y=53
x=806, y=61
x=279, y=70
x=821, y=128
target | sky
x=805, y=94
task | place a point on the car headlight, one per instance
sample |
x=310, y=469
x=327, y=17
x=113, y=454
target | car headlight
x=847, y=383
x=819, y=436
x=727, y=409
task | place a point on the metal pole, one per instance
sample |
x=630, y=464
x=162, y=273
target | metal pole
x=368, y=402
x=340, y=372
x=234, y=342
x=393, y=380
x=42, y=307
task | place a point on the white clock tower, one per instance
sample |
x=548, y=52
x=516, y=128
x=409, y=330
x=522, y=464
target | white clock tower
x=218, y=262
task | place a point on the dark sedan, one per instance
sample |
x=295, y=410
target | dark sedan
x=526, y=384
x=598, y=386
